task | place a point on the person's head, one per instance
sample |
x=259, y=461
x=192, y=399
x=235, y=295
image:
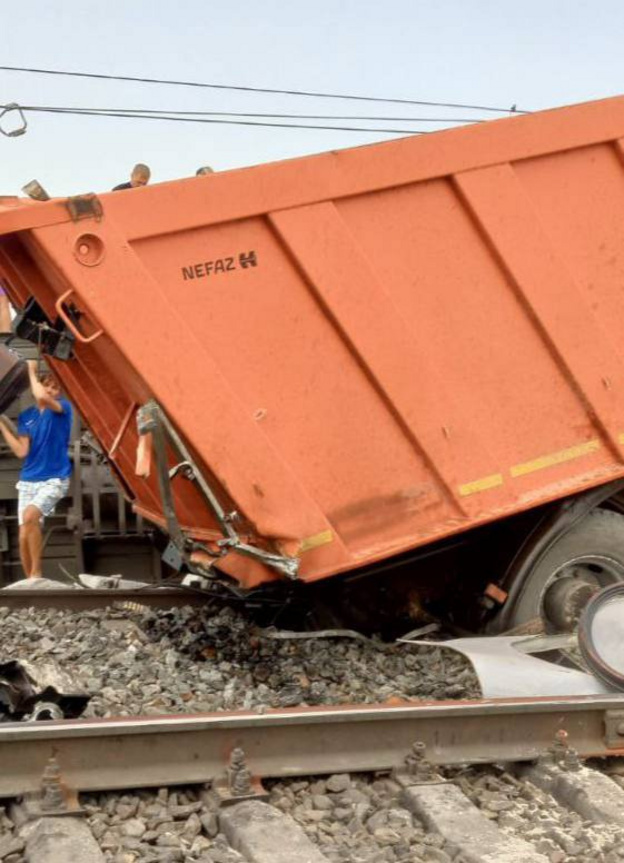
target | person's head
x=202, y=172
x=140, y=175
x=50, y=385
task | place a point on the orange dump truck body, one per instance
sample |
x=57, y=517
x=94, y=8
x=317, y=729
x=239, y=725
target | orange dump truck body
x=363, y=351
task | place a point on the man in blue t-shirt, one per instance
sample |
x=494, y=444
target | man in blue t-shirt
x=42, y=440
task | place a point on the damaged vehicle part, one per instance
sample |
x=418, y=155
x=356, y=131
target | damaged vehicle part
x=41, y=691
x=151, y=420
x=506, y=667
x=589, y=661
x=51, y=337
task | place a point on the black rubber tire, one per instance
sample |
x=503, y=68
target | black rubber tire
x=600, y=534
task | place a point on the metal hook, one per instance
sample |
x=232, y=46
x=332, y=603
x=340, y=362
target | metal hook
x=14, y=133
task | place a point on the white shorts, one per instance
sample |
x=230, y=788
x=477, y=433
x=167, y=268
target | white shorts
x=44, y=495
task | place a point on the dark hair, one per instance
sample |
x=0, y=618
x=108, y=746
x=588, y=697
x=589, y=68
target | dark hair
x=47, y=377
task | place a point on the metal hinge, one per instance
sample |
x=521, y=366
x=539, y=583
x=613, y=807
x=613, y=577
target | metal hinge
x=84, y=207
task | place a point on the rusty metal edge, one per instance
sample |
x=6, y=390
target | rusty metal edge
x=146, y=752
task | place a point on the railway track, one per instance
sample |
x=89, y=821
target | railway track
x=89, y=600
x=152, y=751
x=468, y=781
x=449, y=784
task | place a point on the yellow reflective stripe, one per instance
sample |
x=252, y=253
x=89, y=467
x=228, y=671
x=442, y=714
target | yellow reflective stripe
x=482, y=484
x=563, y=455
x=311, y=542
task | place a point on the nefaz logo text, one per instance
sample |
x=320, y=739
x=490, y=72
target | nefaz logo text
x=220, y=265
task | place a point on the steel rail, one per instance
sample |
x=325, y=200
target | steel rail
x=142, y=752
x=88, y=598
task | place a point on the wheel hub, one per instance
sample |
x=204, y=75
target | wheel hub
x=565, y=599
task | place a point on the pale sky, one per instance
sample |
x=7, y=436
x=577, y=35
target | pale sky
x=534, y=54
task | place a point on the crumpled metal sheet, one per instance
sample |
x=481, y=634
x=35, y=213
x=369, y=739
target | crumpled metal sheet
x=26, y=688
x=506, y=669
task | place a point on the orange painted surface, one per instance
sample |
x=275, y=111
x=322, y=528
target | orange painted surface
x=364, y=350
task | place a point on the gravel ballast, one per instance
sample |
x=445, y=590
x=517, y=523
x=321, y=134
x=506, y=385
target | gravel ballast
x=349, y=818
x=164, y=826
x=359, y=820
x=363, y=819
x=185, y=660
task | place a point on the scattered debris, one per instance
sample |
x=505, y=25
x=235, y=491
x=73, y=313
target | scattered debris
x=40, y=690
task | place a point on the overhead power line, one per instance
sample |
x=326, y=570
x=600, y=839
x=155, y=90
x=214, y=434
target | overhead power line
x=89, y=112
x=246, y=89
x=264, y=114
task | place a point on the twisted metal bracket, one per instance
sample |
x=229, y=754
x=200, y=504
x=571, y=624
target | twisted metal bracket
x=152, y=419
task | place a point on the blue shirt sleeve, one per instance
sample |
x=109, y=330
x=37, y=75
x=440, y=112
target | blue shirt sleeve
x=21, y=423
x=67, y=408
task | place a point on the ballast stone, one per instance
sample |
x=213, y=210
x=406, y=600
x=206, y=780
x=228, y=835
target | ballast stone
x=265, y=835
x=446, y=810
x=60, y=840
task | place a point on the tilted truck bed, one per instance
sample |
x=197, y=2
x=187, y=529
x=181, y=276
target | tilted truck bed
x=363, y=351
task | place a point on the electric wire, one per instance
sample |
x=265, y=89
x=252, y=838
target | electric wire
x=248, y=89
x=141, y=111
x=85, y=112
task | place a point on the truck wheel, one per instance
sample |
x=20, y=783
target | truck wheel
x=589, y=557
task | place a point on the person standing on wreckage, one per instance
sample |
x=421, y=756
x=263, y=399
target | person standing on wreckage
x=42, y=440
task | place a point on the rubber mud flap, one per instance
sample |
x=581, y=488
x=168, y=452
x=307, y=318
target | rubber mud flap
x=13, y=377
